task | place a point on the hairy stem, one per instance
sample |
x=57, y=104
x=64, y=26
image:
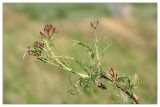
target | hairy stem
x=131, y=95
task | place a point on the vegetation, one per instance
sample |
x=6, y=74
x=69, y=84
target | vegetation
x=130, y=42
x=90, y=73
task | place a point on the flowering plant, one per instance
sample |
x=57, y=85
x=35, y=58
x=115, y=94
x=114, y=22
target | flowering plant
x=91, y=74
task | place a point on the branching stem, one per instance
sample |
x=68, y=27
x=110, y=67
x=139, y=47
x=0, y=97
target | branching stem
x=50, y=50
x=131, y=95
x=91, y=73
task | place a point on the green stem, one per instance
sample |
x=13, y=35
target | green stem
x=97, y=47
x=50, y=50
x=64, y=67
x=52, y=63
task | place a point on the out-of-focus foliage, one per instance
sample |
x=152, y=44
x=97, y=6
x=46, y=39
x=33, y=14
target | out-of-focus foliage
x=131, y=27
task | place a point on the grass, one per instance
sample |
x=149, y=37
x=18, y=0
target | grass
x=21, y=76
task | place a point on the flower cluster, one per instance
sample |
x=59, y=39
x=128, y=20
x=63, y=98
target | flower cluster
x=37, y=49
x=92, y=73
x=94, y=24
x=113, y=75
x=48, y=31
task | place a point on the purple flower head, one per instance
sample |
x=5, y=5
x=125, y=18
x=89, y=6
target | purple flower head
x=48, y=31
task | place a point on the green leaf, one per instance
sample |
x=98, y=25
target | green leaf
x=42, y=59
x=92, y=54
x=104, y=44
x=70, y=80
x=67, y=64
x=83, y=67
x=81, y=44
x=24, y=55
x=86, y=85
x=71, y=91
x=121, y=79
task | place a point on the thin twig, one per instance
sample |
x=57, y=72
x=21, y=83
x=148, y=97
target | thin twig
x=131, y=95
x=64, y=57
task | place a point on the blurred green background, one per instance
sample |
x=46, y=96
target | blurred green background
x=132, y=28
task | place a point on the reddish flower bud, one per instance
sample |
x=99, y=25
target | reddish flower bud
x=29, y=52
x=54, y=29
x=41, y=45
x=48, y=31
x=35, y=44
x=94, y=24
x=41, y=33
x=28, y=47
